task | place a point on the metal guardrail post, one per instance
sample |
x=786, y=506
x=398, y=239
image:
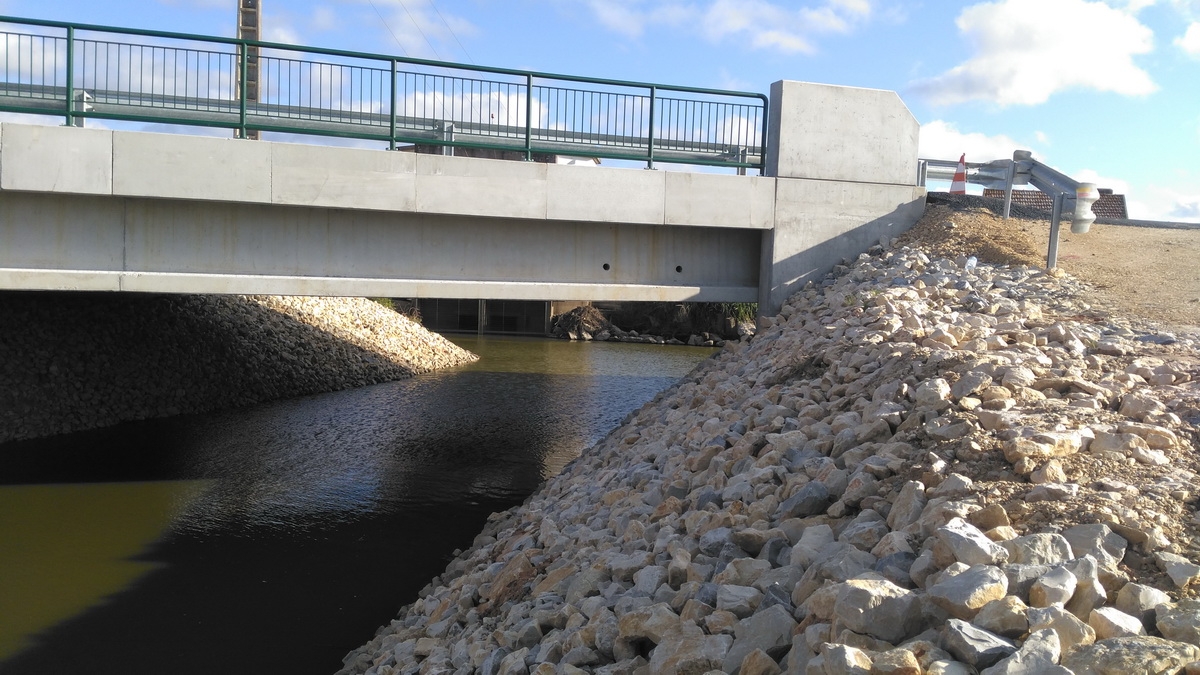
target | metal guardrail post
x=1008, y=187
x=70, y=76
x=763, y=140
x=529, y=117
x=1052, y=252
x=650, y=139
x=392, y=122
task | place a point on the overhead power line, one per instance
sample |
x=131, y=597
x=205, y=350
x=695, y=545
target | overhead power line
x=444, y=22
x=389, y=28
x=418, y=27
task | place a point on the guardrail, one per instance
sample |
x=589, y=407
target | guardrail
x=82, y=71
x=1069, y=195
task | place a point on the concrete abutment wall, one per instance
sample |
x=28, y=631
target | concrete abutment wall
x=845, y=167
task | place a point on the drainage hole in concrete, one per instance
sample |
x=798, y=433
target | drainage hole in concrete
x=605, y=267
x=679, y=268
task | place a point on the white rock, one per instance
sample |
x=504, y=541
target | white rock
x=1110, y=622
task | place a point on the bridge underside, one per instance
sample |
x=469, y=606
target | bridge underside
x=54, y=241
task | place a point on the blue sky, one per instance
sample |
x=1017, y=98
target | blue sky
x=1102, y=90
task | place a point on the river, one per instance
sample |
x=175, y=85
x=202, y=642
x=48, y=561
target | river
x=276, y=538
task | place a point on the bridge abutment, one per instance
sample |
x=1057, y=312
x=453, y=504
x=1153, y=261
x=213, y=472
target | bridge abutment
x=844, y=161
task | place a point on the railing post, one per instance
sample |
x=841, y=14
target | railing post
x=1055, y=221
x=1008, y=188
x=70, y=76
x=650, y=139
x=529, y=117
x=392, y=127
x=242, y=53
x=762, y=142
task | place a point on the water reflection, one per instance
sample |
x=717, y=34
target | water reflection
x=317, y=518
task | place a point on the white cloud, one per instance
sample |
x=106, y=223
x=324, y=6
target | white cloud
x=791, y=30
x=941, y=140
x=1190, y=41
x=1117, y=185
x=1041, y=137
x=324, y=19
x=421, y=29
x=1168, y=204
x=200, y=4
x=631, y=18
x=38, y=120
x=281, y=32
x=762, y=24
x=1027, y=50
x=1135, y=6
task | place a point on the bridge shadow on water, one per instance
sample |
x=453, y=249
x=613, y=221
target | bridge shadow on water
x=299, y=526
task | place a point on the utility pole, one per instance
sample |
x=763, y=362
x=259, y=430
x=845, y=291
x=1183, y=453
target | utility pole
x=249, y=22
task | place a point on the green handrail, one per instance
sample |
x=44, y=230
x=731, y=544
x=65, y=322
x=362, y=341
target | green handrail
x=714, y=145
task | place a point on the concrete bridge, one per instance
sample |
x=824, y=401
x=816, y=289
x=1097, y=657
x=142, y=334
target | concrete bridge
x=99, y=210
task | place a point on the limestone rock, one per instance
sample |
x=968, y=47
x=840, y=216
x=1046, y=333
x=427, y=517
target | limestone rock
x=844, y=660
x=768, y=631
x=1141, y=601
x=1180, y=622
x=896, y=662
x=975, y=646
x=1038, y=654
x=1182, y=571
x=757, y=662
x=1098, y=541
x=1038, y=549
x=1110, y=622
x=1072, y=632
x=1120, y=656
x=879, y=608
x=1005, y=617
x=1053, y=589
x=740, y=600
x=965, y=594
x=969, y=545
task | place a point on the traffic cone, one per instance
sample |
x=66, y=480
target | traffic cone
x=958, y=186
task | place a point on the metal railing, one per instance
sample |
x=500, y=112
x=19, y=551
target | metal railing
x=82, y=71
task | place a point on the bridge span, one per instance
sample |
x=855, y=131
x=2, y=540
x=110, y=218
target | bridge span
x=108, y=210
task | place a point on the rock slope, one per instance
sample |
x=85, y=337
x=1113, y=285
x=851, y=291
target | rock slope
x=922, y=466
x=72, y=361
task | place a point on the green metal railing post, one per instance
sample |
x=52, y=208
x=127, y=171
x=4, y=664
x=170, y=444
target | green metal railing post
x=70, y=76
x=243, y=51
x=529, y=117
x=762, y=141
x=392, y=123
x=650, y=145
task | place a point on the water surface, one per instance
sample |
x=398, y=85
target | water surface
x=274, y=539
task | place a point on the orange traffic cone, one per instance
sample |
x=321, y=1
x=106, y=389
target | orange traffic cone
x=958, y=186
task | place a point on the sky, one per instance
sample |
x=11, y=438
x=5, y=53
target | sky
x=1103, y=90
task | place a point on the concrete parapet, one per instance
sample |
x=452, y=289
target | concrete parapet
x=174, y=166
x=56, y=159
x=829, y=132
